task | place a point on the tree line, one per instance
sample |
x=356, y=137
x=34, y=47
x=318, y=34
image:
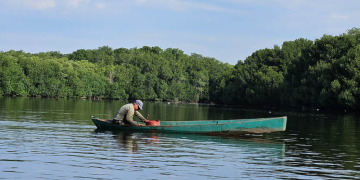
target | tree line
x=323, y=73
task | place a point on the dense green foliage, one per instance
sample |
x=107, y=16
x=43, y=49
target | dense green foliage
x=300, y=73
x=148, y=73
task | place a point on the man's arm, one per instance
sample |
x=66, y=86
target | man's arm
x=139, y=116
x=129, y=117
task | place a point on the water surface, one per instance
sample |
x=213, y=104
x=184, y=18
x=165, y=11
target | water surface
x=55, y=139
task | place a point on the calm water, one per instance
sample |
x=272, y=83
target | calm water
x=55, y=139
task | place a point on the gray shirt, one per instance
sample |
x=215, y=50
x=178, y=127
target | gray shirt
x=126, y=113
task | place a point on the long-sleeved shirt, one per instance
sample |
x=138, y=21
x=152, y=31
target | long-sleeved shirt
x=126, y=113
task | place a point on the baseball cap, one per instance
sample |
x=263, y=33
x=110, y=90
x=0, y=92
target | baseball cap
x=139, y=103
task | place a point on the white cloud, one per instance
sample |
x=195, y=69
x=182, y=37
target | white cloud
x=100, y=5
x=178, y=5
x=39, y=4
x=301, y=5
x=141, y=1
x=338, y=16
x=27, y=4
x=75, y=3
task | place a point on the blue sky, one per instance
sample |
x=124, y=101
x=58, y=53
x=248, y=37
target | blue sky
x=228, y=30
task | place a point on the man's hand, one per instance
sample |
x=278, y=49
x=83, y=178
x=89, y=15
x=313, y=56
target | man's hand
x=142, y=125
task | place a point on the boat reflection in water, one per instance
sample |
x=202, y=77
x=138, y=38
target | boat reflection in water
x=135, y=142
x=130, y=142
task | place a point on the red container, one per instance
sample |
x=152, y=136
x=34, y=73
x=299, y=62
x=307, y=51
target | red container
x=152, y=122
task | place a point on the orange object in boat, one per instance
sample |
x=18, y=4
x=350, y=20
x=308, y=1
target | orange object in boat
x=152, y=122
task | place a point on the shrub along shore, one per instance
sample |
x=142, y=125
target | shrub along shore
x=324, y=73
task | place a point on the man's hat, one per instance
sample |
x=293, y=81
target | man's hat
x=139, y=103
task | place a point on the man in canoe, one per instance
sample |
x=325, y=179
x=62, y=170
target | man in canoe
x=125, y=114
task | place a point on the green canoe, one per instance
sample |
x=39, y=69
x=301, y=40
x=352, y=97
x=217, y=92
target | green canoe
x=238, y=126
